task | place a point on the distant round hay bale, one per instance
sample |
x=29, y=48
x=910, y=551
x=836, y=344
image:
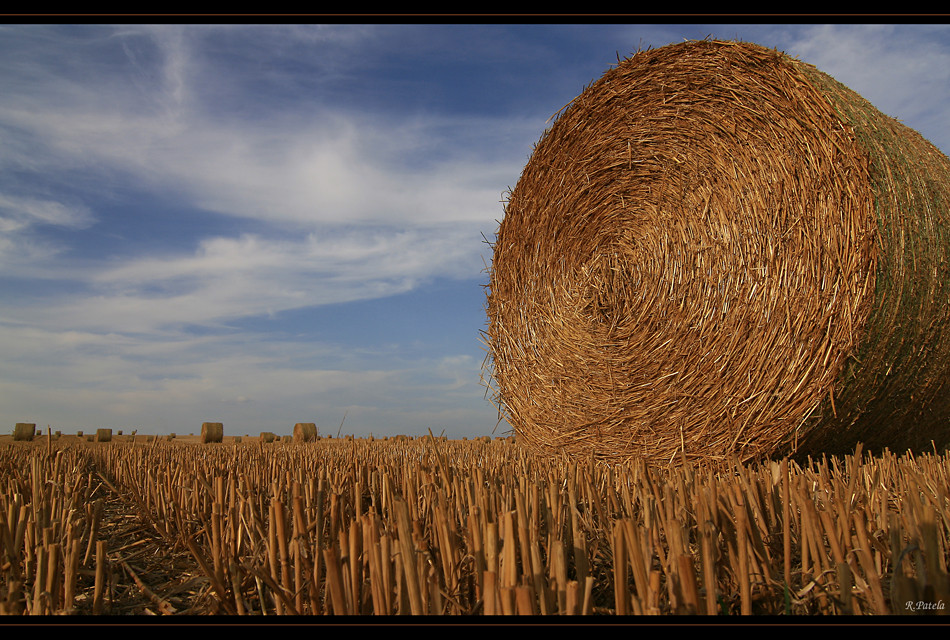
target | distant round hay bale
x=717, y=249
x=103, y=435
x=305, y=432
x=268, y=436
x=212, y=432
x=24, y=431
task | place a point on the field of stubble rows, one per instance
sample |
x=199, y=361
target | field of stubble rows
x=429, y=526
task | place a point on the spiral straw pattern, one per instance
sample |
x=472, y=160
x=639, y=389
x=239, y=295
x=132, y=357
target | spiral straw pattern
x=718, y=250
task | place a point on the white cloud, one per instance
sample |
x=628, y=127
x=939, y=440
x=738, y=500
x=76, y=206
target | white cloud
x=21, y=217
x=163, y=382
x=173, y=127
x=23, y=212
x=229, y=278
x=352, y=205
x=334, y=169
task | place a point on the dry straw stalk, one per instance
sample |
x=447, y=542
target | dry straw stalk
x=718, y=249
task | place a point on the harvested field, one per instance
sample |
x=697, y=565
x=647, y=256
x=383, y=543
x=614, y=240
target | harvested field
x=432, y=527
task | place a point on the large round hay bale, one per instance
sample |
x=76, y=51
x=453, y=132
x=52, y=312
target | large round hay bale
x=103, y=435
x=212, y=432
x=268, y=436
x=305, y=432
x=24, y=431
x=717, y=249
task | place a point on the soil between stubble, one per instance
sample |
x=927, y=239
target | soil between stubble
x=147, y=575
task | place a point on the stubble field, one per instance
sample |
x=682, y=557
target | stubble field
x=429, y=526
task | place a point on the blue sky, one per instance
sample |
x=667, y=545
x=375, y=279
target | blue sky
x=270, y=224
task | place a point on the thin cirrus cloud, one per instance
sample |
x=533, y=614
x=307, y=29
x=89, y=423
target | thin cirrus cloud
x=277, y=155
x=228, y=278
x=302, y=170
x=281, y=204
x=20, y=216
x=21, y=213
x=330, y=171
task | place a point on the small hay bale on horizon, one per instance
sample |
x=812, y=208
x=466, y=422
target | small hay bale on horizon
x=103, y=435
x=305, y=432
x=718, y=250
x=212, y=432
x=268, y=436
x=24, y=431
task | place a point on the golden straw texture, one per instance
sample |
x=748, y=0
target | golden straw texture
x=24, y=431
x=212, y=432
x=305, y=432
x=699, y=260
